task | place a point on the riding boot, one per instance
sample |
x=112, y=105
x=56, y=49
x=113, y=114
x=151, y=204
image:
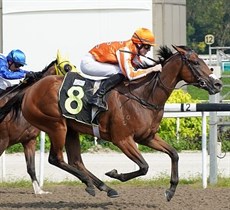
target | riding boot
x=108, y=84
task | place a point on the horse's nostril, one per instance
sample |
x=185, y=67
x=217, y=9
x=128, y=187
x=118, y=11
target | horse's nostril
x=218, y=84
x=202, y=83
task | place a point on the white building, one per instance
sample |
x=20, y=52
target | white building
x=41, y=27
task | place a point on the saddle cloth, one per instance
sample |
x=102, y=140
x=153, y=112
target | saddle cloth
x=73, y=98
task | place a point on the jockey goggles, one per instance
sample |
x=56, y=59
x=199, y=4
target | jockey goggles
x=18, y=65
x=147, y=46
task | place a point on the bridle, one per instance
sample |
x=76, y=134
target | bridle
x=156, y=78
x=186, y=59
x=190, y=63
x=59, y=70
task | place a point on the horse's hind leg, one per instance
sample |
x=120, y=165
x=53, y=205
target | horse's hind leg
x=159, y=144
x=73, y=151
x=29, y=151
x=56, y=158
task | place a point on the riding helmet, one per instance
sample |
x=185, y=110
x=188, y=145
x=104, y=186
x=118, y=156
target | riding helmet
x=17, y=56
x=143, y=36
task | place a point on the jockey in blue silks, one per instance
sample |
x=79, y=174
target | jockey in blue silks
x=10, y=68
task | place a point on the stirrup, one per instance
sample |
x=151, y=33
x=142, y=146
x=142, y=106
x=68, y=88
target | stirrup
x=99, y=103
x=101, y=106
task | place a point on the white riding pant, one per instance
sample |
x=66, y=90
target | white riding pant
x=4, y=83
x=92, y=67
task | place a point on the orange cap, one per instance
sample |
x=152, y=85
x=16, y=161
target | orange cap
x=143, y=36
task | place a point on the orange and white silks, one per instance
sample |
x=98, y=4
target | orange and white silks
x=114, y=53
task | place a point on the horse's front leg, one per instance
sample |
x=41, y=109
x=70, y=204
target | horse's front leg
x=73, y=150
x=129, y=148
x=159, y=144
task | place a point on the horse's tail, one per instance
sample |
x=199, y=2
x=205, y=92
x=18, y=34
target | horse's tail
x=14, y=105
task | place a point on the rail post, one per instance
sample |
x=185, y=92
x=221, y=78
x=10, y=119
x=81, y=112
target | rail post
x=213, y=141
x=204, y=150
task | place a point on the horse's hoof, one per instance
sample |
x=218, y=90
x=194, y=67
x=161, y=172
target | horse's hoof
x=168, y=195
x=41, y=192
x=112, y=173
x=112, y=193
x=90, y=190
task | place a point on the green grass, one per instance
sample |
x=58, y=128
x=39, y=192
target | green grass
x=197, y=93
x=160, y=181
x=226, y=81
x=201, y=94
x=164, y=181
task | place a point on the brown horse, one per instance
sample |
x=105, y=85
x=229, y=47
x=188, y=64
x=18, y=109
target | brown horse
x=134, y=115
x=20, y=131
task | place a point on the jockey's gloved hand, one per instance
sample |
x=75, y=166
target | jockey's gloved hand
x=33, y=76
x=30, y=77
x=38, y=75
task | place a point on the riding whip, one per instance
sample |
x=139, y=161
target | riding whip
x=126, y=51
x=13, y=89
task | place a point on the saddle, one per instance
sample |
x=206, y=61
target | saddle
x=74, y=96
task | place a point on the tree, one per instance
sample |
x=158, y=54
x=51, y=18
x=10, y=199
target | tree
x=207, y=17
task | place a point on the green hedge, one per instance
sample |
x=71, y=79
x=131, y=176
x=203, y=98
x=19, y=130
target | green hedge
x=189, y=133
x=190, y=128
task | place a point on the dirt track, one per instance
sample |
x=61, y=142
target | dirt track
x=131, y=198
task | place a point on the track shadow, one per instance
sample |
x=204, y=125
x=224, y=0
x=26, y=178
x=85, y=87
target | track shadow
x=55, y=205
x=70, y=205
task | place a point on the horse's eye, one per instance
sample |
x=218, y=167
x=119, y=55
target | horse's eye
x=195, y=62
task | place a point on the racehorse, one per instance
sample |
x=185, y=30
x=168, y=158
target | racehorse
x=20, y=131
x=135, y=110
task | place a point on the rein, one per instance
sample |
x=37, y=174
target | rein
x=142, y=101
x=185, y=61
x=14, y=88
x=196, y=73
x=151, y=59
x=58, y=70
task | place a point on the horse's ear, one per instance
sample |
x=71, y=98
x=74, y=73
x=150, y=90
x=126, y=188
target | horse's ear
x=58, y=56
x=60, y=59
x=179, y=49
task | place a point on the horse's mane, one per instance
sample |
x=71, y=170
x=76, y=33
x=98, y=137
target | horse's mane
x=184, y=47
x=47, y=67
x=164, y=53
